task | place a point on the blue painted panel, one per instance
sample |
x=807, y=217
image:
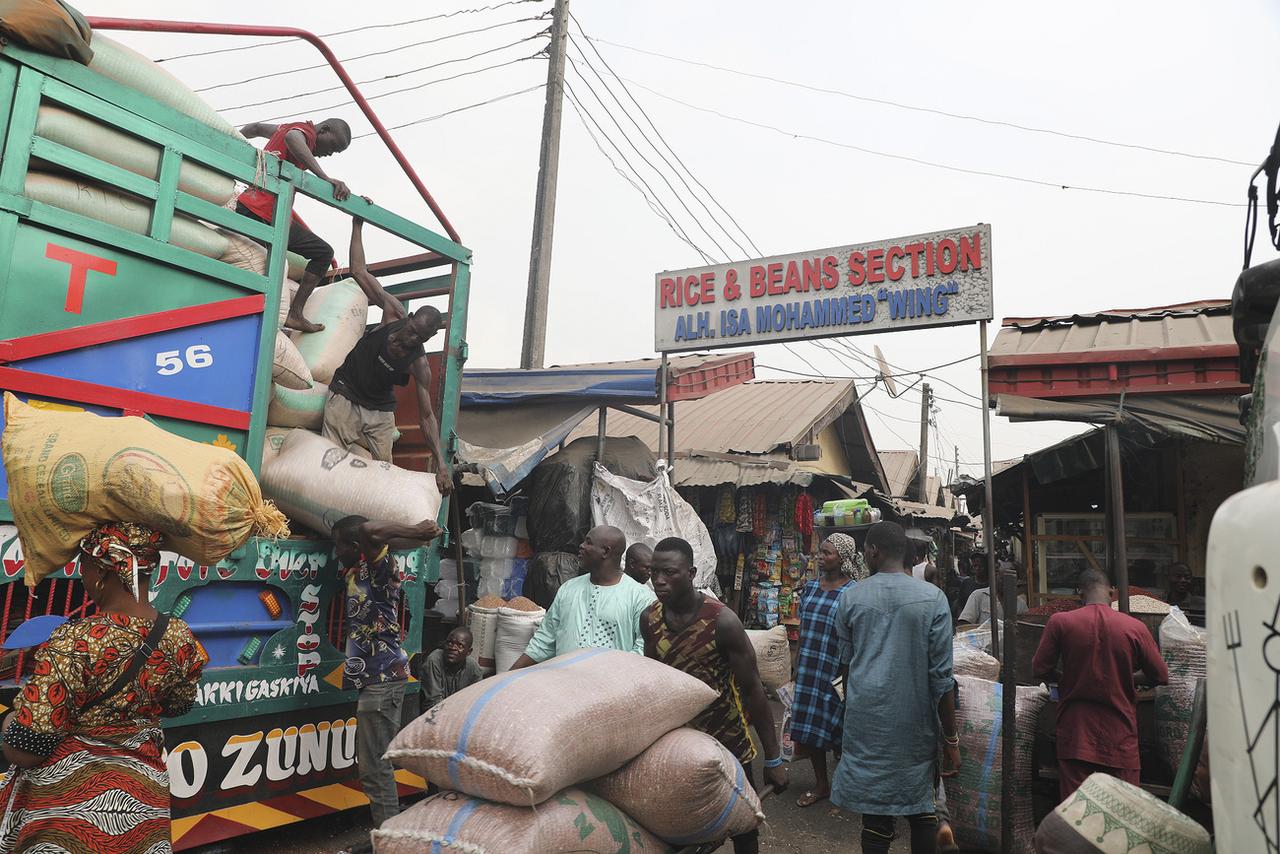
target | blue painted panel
x=226, y=615
x=212, y=364
x=26, y=398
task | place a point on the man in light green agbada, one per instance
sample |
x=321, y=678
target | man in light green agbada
x=600, y=609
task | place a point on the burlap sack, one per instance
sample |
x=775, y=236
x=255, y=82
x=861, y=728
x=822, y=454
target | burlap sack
x=685, y=789
x=572, y=821
x=68, y=471
x=515, y=630
x=1185, y=649
x=344, y=310
x=773, y=656
x=967, y=661
x=520, y=737
x=974, y=796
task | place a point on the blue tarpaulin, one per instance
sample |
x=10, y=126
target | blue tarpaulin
x=605, y=385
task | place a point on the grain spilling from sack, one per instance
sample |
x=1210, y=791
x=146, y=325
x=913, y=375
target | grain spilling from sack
x=773, y=656
x=685, y=789
x=521, y=737
x=68, y=471
x=572, y=821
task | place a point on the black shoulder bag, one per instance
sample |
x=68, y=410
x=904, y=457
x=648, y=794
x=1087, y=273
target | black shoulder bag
x=139, y=658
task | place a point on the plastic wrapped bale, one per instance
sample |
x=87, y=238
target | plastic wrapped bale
x=303, y=408
x=968, y=661
x=572, y=821
x=974, y=796
x=344, y=310
x=560, y=489
x=1184, y=649
x=1108, y=815
x=520, y=737
x=773, y=656
x=547, y=572
x=685, y=789
x=317, y=483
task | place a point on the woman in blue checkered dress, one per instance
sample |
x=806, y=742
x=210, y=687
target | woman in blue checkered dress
x=817, y=714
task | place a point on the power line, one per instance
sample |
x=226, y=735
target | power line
x=931, y=110
x=666, y=144
x=375, y=53
x=932, y=164
x=341, y=87
x=391, y=25
x=495, y=100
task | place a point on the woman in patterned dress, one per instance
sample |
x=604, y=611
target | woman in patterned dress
x=92, y=778
x=817, y=714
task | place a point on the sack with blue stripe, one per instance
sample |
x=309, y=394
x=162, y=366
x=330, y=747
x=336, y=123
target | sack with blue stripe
x=685, y=789
x=520, y=737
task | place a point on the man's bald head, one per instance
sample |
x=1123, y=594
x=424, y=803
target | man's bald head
x=604, y=546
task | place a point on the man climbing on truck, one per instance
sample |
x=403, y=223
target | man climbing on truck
x=300, y=143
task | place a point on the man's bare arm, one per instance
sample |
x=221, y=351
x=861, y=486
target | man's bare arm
x=392, y=308
x=258, y=130
x=296, y=142
x=430, y=426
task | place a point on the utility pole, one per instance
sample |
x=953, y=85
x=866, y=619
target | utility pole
x=923, y=473
x=956, y=478
x=533, y=351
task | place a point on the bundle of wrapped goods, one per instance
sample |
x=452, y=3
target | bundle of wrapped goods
x=49, y=26
x=130, y=68
x=317, y=483
x=1107, y=814
x=685, y=789
x=517, y=621
x=68, y=471
x=968, y=661
x=773, y=656
x=494, y=573
x=447, y=589
x=482, y=618
x=504, y=739
x=573, y=820
x=298, y=407
x=119, y=209
x=974, y=796
x=344, y=310
x=1185, y=649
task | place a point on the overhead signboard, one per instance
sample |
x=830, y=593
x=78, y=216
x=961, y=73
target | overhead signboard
x=937, y=279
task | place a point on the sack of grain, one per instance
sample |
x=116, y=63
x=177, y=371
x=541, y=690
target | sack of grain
x=1107, y=814
x=1184, y=648
x=317, y=483
x=482, y=618
x=81, y=133
x=119, y=209
x=298, y=407
x=49, y=26
x=773, y=656
x=516, y=624
x=968, y=661
x=520, y=737
x=573, y=821
x=68, y=471
x=685, y=789
x=272, y=440
x=344, y=310
x=974, y=796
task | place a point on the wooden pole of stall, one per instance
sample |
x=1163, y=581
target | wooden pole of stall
x=989, y=510
x=1028, y=544
x=1115, y=514
x=1009, y=713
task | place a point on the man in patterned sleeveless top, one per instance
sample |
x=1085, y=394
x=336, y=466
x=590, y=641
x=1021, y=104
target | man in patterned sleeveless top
x=692, y=632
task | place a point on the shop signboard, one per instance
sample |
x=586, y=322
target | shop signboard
x=938, y=279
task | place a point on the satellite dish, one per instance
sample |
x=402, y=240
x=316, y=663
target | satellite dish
x=889, y=384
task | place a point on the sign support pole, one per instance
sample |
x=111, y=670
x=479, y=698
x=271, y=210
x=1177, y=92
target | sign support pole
x=989, y=511
x=662, y=408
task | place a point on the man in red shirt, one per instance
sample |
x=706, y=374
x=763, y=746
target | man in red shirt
x=300, y=143
x=1101, y=650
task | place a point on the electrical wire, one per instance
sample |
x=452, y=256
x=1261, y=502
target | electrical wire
x=393, y=24
x=947, y=167
x=343, y=88
x=494, y=100
x=374, y=53
x=667, y=145
x=919, y=109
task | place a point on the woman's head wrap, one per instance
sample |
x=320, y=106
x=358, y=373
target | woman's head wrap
x=851, y=562
x=126, y=548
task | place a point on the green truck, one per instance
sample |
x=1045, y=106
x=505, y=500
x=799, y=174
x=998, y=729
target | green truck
x=119, y=320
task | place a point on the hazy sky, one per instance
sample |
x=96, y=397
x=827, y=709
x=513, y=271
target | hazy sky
x=1186, y=76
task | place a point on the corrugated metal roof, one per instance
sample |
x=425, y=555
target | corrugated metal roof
x=1182, y=309
x=899, y=470
x=739, y=470
x=1197, y=325
x=752, y=418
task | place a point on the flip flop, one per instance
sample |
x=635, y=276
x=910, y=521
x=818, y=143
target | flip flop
x=808, y=799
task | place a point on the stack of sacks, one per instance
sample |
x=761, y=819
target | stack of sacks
x=503, y=742
x=317, y=483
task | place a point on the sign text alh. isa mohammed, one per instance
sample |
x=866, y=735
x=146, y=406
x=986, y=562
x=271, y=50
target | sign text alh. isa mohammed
x=937, y=279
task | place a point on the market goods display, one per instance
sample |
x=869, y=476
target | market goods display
x=967, y=661
x=517, y=621
x=773, y=656
x=504, y=739
x=303, y=407
x=1109, y=816
x=974, y=796
x=1185, y=649
x=68, y=471
x=1140, y=604
x=344, y=310
x=685, y=789
x=573, y=820
x=482, y=618
x=317, y=483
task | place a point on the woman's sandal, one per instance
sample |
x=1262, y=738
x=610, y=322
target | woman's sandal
x=808, y=799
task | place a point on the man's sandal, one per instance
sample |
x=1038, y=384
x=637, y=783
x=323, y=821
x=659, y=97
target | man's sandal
x=808, y=799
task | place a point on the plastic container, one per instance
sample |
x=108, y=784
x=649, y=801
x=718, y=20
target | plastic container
x=842, y=506
x=472, y=539
x=498, y=547
x=496, y=568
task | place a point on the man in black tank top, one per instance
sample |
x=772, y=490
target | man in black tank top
x=361, y=410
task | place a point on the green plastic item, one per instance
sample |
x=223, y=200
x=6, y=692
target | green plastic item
x=250, y=651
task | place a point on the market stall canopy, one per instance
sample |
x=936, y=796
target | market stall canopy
x=1146, y=419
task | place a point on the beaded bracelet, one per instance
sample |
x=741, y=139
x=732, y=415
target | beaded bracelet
x=773, y=763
